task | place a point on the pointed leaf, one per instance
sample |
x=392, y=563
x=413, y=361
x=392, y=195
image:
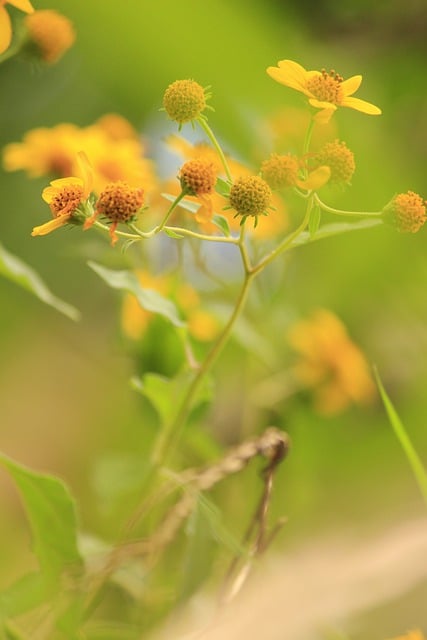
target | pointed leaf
x=172, y=234
x=335, y=229
x=12, y=268
x=222, y=187
x=222, y=223
x=148, y=298
x=51, y=514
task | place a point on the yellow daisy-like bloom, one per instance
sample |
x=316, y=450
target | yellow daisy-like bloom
x=119, y=203
x=64, y=196
x=406, y=212
x=5, y=22
x=325, y=91
x=135, y=320
x=51, y=33
x=330, y=363
x=281, y=171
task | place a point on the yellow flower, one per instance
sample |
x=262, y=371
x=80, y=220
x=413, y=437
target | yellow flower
x=5, y=23
x=272, y=225
x=115, y=152
x=50, y=33
x=330, y=363
x=325, y=91
x=283, y=171
x=135, y=320
x=64, y=196
x=412, y=635
x=118, y=202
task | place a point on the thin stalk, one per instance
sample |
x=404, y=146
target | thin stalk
x=400, y=432
x=343, y=212
x=172, y=432
x=201, y=236
x=286, y=242
x=170, y=210
x=206, y=128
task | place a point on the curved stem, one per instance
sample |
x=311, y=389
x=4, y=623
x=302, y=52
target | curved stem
x=172, y=433
x=343, y=212
x=286, y=242
x=206, y=128
x=170, y=210
x=202, y=236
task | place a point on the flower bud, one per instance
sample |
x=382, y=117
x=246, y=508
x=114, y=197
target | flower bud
x=406, y=212
x=184, y=100
x=50, y=34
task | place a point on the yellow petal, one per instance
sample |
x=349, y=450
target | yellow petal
x=361, y=105
x=323, y=117
x=23, y=5
x=289, y=73
x=5, y=29
x=47, y=227
x=51, y=192
x=351, y=85
x=181, y=146
x=316, y=179
x=86, y=171
x=322, y=104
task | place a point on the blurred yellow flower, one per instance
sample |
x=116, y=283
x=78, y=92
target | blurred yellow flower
x=325, y=91
x=112, y=145
x=412, y=635
x=5, y=22
x=202, y=325
x=50, y=33
x=270, y=226
x=330, y=363
x=64, y=197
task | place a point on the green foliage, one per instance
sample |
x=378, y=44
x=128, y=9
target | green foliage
x=14, y=269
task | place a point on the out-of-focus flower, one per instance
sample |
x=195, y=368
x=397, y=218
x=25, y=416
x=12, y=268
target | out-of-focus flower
x=325, y=90
x=114, y=150
x=5, y=23
x=406, y=212
x=286, y=128
x=202, y=325
x=411, y=635
x=64, y=197
x=281, y=171
x=329, y=363
x=118, y=202
x=50, y=34
x=338, y=157
x=184, y=101
x=272, y=225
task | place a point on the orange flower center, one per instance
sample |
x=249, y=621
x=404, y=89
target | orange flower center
x=119, y=202
x=198, y=176
x=326, y=86
x=66, y=200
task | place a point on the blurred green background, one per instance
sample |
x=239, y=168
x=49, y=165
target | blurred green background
x=65, y=401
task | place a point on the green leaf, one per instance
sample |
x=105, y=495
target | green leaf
x=23, y=595
x=12, y=268
x=222, y=187
x=148, y=298
x=314, y=221
x=418, y=469
x=172, y=234
x=166, y=394
x=222, y=223
x=335, y=229
x=189, y=205
x=51, y=514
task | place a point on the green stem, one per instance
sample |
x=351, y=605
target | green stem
x=201, y=236
x=343, y=212
x=170, y=210
x=286, y=242
x=414, y=460
x=172, y=432
x=206, y=128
